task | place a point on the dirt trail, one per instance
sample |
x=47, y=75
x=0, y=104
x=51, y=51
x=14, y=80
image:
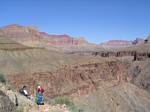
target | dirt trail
x=50, y=108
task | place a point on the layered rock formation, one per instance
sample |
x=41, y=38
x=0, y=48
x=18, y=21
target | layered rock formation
x=32, y=37
x=122, y=43
x=116, y=43
x=70, y=79
x=61, y=40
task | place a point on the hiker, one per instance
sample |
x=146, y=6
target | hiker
x=39, y=95
x=24, y=91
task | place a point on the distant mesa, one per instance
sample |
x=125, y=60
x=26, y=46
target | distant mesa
x=124, y=43
x=117, y=43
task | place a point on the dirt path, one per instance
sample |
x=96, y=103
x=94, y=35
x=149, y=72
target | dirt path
x=50, y=108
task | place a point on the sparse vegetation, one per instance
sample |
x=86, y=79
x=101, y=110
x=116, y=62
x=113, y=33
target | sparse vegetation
x=67, y=101
x=20, y=109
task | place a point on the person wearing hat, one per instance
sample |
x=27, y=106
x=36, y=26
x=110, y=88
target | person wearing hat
x=39, y=95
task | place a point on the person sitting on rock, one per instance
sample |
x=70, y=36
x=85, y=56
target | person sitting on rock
x=24, y=91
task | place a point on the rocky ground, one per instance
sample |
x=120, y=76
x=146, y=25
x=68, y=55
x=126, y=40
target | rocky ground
x=12, y=101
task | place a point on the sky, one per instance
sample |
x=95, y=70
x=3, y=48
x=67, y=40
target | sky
x=95, y=20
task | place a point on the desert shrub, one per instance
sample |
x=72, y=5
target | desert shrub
x=67, y=101
x=2, y=78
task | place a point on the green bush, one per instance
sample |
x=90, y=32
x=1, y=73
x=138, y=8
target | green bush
x=67, y=101
x=2, y=78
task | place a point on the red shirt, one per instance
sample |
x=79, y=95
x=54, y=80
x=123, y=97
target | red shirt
x=40, y=90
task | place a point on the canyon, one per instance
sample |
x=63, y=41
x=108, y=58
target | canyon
x=109, y=77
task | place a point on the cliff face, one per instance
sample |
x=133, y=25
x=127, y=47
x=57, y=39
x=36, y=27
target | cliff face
x=117, y=43
x=62, y=39
x=70, y=79
x=30, y=36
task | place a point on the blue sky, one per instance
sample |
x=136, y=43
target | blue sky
x=96, y=20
